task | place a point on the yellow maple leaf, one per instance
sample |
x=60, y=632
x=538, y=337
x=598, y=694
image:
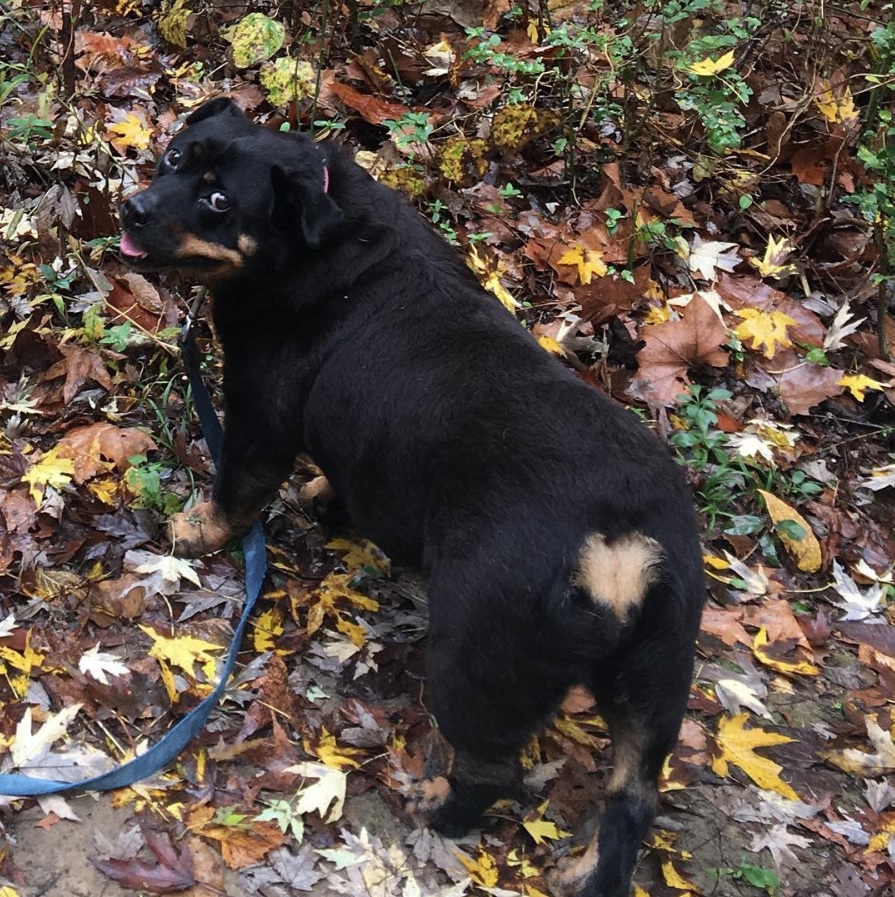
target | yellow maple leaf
x=759, y=649
x=268, y=627
x=183, y=651
x=53, y=469
x=711, y=66
x=572, y=729
x=858, y=384
x=738, y=745
x=489, y=274
x=542, y=829
x=836, y=110
x=674, y=879
x=330, y=753
x=657, y=314
x=765, y=328
x=335, y=590
x=774, y=262
x=482, y=870
x=131, y=132
x=587, y=261
x=805, y=550
x=26, y=662
x=361, y=554
x=106, y=490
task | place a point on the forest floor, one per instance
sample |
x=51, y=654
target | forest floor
x=690, y=202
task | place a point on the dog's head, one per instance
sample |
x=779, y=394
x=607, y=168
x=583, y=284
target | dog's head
x=230, y=199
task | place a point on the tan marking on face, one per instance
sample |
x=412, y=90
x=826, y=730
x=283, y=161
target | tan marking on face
x=619, y=573
x=570, y=875
x=247, y=245
x=210, y=177
x=191, y=245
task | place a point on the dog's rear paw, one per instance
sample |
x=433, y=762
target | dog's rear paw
x=427, y=797
x=570, y=876
x=434, y=804
x=201, y=530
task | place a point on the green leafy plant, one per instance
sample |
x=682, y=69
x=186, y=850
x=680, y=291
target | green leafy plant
x=875, y=200
x=411, y=128
x=705, y=449
x=757, y=876
x=144, y=480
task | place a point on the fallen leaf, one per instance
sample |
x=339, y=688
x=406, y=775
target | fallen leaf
x=183, y=651
x=805, y=549
x=673, y=348
x=737, y=747
x=587, y=261
x=774, y=264
x=55, y=468
x=864, y=765
x=326, y=796
x=764, y=329
x=760, y=650
x=541, y=829
x=707, y=67
x=704, y=258
x=857, y=604
x=97, y=664
x=858, y=384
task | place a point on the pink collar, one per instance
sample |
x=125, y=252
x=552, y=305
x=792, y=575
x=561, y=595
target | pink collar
x=325, y=178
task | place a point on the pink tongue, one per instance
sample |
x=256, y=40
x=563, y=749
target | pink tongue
x=130, y=247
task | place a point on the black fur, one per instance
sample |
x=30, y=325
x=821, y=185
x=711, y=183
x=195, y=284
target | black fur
x=353, y=333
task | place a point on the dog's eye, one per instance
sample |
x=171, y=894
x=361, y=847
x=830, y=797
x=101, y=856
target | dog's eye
x=219, y=201
x=172, y=157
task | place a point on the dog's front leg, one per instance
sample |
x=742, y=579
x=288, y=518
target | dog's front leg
x=254, y=462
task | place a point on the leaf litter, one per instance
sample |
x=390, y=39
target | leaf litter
x=658, y=269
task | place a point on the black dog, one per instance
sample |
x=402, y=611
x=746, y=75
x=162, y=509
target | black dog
x=557, y=535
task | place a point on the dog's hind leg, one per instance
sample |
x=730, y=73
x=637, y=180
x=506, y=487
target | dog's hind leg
x=494, y=679
x=642, y=698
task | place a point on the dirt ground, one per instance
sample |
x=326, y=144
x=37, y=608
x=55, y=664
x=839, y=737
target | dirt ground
x=55, y=861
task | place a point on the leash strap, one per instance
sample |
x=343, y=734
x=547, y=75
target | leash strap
x=171, y=744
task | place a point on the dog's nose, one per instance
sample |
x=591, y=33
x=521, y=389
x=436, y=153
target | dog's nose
x=136, y=212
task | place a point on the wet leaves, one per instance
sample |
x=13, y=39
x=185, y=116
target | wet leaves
x=649, y=263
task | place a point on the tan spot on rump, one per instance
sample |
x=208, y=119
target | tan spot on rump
x=192, y=246
x=570, y=876
x=247, y=245
x=619, y=573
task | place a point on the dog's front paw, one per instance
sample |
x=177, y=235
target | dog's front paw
x=201, y=530
x=316, y=492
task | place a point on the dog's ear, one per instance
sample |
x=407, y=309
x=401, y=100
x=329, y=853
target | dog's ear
x=301, y=201
x=217, y=106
